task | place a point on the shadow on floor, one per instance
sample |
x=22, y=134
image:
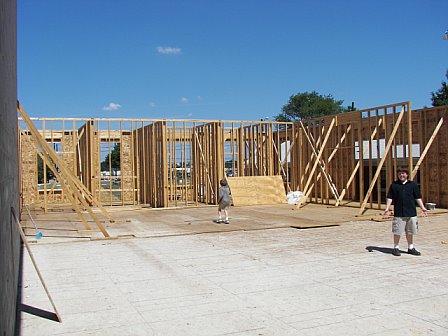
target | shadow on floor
x=386, y=250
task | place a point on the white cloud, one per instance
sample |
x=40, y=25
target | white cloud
x=112, y=107
x=168, y=50
x=184, y=100
x=152, y=104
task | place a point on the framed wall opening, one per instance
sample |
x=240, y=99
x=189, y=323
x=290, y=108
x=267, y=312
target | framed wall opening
x=338, y=159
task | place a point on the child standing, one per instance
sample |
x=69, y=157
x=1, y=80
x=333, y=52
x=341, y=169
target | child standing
x=223, y=201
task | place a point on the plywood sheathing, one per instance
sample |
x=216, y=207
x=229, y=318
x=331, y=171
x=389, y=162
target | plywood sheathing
x=127, y=175
x=29, y=183
x=257, y=190
x=85, y=164
x=433, y=171
x=150, y=141
x=427, y=147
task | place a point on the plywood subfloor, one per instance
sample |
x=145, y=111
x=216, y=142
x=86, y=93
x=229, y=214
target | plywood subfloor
x=190, y=221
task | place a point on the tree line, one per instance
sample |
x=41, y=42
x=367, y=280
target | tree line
x=306, y=105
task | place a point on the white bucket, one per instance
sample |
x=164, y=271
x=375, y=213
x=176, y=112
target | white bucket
x=430, y=206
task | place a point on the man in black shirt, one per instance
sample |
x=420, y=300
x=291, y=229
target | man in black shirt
x=404, y=194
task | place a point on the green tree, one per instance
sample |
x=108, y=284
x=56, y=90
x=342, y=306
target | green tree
x=40, y=171
x=310, y=105
x=114, y=159
x=440, y=97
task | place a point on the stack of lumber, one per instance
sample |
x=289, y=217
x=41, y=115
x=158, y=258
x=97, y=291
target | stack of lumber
x=255, y=190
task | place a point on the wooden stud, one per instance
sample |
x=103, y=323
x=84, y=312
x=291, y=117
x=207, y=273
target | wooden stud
x=355, y=170
x=306, y=191
x=255, y=148
x=66, y=179
x=378, y=170
x=427, y=147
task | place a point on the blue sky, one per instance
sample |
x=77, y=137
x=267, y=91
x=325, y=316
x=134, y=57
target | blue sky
x=227, y=59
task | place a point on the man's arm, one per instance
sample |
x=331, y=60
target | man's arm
x=422, y=206
x=388, y=204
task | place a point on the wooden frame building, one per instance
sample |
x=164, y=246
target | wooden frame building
x=340, y=159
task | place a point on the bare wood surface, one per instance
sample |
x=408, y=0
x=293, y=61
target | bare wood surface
x=255, y=190
x=427, y=147
x=380, y=165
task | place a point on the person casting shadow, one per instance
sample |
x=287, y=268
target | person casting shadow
x=403, y=194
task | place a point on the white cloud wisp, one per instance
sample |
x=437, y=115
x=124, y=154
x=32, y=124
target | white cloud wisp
x=112, y=107
x=168, y=50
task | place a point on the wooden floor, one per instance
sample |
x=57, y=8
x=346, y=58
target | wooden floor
x=259, y=278
x=142, y=222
